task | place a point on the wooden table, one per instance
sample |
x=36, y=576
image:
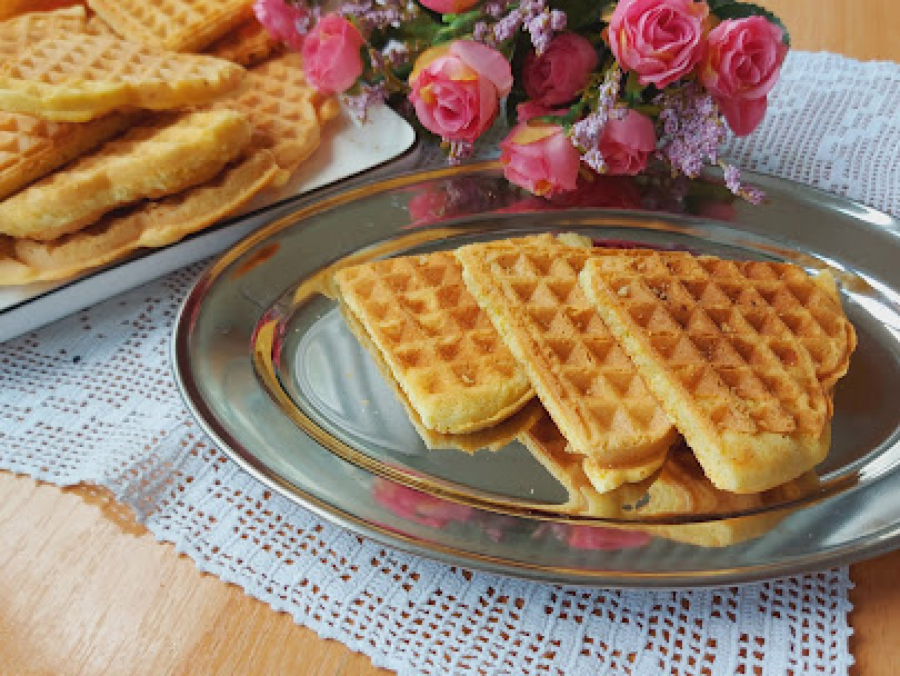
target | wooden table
x=84, y=589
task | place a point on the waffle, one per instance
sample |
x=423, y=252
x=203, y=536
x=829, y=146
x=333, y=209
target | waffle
x=31, y=147
x=439, y=346
x=150, y=224
x=159, y=158
x=678, y=489
x=177, y=25
x=78, y=77
x=492, y=438
x=248, y=44
x=18, y=33
x=286, y=112
x=529, y=288
x=724, y=347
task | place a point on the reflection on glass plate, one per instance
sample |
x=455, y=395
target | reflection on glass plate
x=268, y=365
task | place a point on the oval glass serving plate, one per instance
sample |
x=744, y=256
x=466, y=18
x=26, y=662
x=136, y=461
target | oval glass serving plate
x=269, y=367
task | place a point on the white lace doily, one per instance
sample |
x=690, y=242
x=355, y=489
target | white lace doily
x=92, y=399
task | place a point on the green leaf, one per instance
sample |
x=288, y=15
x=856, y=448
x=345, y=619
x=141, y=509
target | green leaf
x=728, y=9
x=423, y=28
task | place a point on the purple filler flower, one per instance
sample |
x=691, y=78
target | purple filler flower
x=692, y=129
x=379, y=14
x=507, y=26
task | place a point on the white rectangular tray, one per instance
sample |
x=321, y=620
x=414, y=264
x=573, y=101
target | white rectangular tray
x=347, y=149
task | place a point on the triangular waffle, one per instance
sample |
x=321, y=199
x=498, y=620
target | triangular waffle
x=286, y=111
x=19, y=33
x=491, y=438
x=150, y=224
x=726, y=349
x=439, y=346
x=78, y=77
x=177, y=25
x=31, y=147
x=529, y=288
x=161, y=157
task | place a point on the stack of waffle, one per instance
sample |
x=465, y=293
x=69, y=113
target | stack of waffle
x=627, y=351
x=126, y=125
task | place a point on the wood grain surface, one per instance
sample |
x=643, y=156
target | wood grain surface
x=85, y=590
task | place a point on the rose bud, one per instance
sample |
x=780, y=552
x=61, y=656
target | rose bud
x=331, y=58
x=660, y=40
x=561, y=71
x=538, y=156
x=627, y=143
x=741, y=66
x=456, y=88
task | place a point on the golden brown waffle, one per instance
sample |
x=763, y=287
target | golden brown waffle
x=529, y=287
x=724, y=347
x=439, y=346
x=491, y=438
x=76, y=78
x=809, y=306
x=19, y=33
x=178, y=25
x=150, y=224
x=31, y=147
x=248, y=44
x=162, y=157
x=677, y=490
x=286, y=112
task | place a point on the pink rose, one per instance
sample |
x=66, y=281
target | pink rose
x=281, y=20
x=457, y=87
x=540, y=158
x=626, y=143
x=741, y=66
x=660, y=40
x=557, y=75
x=449, y=6
x=331, y=58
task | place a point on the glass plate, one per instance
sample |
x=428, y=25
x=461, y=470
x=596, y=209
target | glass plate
x=266, y=364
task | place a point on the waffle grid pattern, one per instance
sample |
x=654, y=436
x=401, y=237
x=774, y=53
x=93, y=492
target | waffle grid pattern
x=17, y=34
x=438, y=343
x=178, y=25
x=77, y=77
x=584, y=378
x=725, y=329
x=282, y=107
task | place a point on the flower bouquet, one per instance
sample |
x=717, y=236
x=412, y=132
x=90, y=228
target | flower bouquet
x=602, y=87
